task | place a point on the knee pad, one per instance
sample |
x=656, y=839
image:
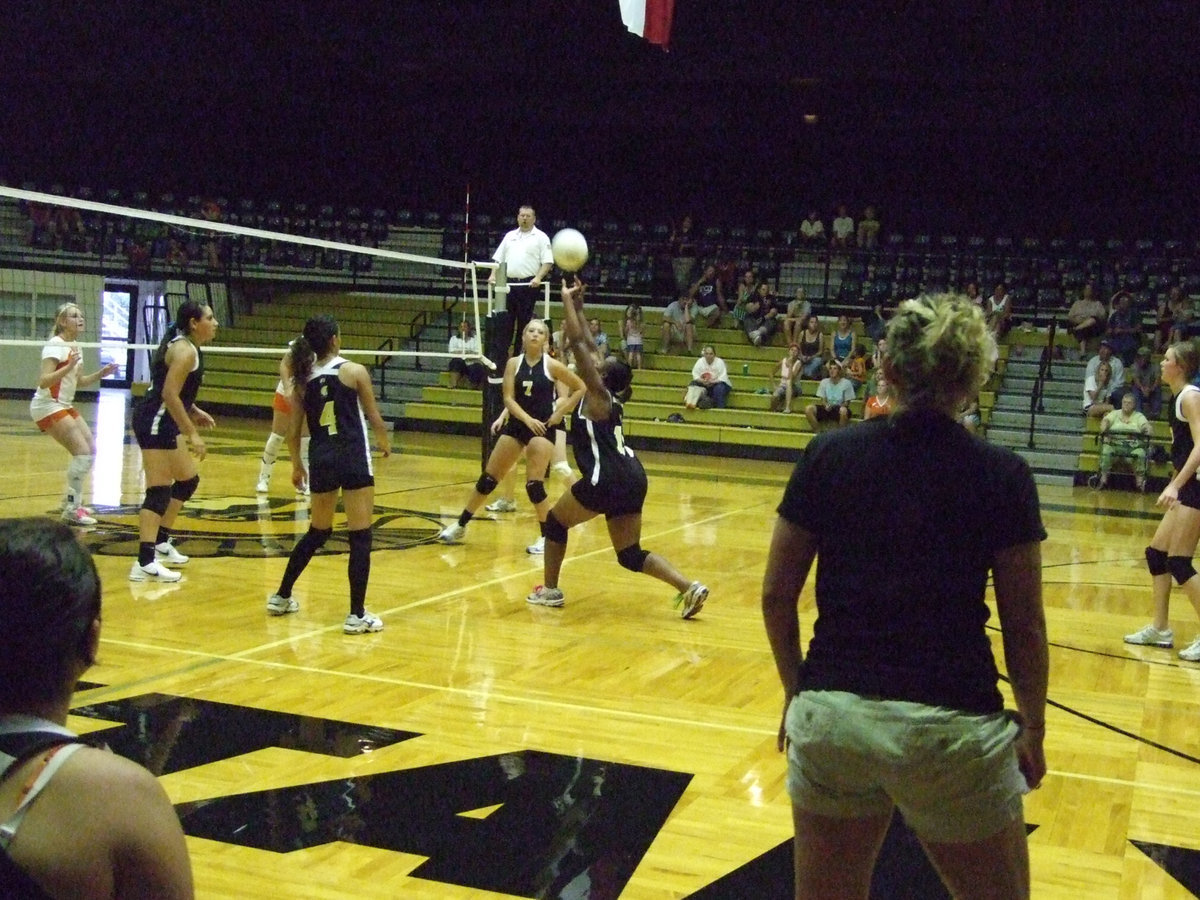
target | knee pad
x=553, y=529
x=562, y=469
x=183, y=490
x=79, y=466
x=1181, y=568
x=486, y=484
x=1156, y=561
x=536, y=491
x=633, y=557
x=157, y=499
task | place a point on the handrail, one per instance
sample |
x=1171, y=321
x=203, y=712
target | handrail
x=1045, y=373
x=381, y=363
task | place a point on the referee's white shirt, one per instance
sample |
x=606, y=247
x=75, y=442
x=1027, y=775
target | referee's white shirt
x=525, y=252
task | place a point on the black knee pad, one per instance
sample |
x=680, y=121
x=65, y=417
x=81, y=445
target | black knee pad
x=1181, y=568
x=1156, y=561
x=536, y=491
x=183, y=490
x=554, y=530
x=633, y=557
x=486, y=484
x=157, y=498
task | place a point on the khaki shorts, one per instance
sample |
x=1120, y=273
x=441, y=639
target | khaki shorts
x=952, y=775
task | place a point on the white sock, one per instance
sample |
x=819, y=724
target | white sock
x=77, y=470
x=270, y=454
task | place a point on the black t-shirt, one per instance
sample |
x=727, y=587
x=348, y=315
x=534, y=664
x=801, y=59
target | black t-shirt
x=908, y=513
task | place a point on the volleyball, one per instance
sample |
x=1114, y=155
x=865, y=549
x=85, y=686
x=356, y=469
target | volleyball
x=570, y=250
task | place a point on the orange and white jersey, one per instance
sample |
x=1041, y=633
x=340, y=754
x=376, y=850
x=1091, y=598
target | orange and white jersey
x=49, y=400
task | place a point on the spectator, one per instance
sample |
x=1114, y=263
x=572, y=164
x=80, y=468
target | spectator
x=843, y=230
x=679, y=322
x=834, y=394
x=599, y=338
x=790, y=371
x=683, y=254
x=970, y=418
x=1104, y=354
x=878, y=355
x=1147, y=384
x=1124, y=327
x=1123, y=433
x=998, y=309
x=972, y=293
x=876, y=320
x=1087, y=318
x=711, y=378
x=762, y=316
x=793, y=320
x=98, y=825
x=708, y=290
x=1173, y=311
x=1097, y=392
x=631, y=335
x=842, y=341
x=856, y=366
x=868, y=230
x=812, y=231
x=811, y=341
x=466, y=343
x=747, y=286
x=881, y=402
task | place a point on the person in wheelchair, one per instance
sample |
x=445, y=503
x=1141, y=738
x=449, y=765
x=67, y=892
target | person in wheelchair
x=1124, y=433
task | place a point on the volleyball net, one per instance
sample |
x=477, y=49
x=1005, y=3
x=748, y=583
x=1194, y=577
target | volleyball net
x=129, y=268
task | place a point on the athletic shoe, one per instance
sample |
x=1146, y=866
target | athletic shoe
x=502, y=505
x=361, y=625
x=544, y=596
x=538, y=547
x=156, y=571
x=1191, y=652
x=452, y=534
x=263, y=485
x=77, y=515
x=692, y=600
x=281, y=606
x=304, y=490
x=1152, y=637
x=166, y=553
x=86, y=510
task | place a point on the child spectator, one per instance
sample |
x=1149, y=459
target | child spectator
x=631, y=335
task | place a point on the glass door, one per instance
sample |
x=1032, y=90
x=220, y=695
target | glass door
x=117, y=303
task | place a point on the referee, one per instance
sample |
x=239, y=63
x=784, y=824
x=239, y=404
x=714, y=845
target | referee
x=526, y=250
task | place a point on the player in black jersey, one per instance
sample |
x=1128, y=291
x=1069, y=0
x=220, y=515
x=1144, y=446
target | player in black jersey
x=532, y=414
x=167, y=411
x=611, y=481
x=1170, y=553
x=336, y=398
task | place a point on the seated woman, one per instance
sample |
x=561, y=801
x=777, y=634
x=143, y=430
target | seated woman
x=711, y=378
x=811, y=339
x=793, y=318
x=1123, y=434
x=466, y=343
x=762, y=316
x=842, y=341
x=1087, y=319
x=790, y=371
x=1097, y=391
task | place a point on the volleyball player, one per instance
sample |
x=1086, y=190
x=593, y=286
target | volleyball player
x=53, y=413
x=337, y=400
x=533, y=416
x=612, y=481
x=167, y=411
x=1170, y=553
x=281, y=411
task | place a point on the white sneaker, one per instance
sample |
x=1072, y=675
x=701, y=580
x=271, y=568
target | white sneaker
x=538, y=547
x=1191, y=652
x=77, y=515
x=166, y=553
x=544, y=596
x=281, y=606
x=361, y=625
x=263, y=485
x=502, y=505
x=452, y=534
x=692, y=599
x=1152, y=637
x=156, y=571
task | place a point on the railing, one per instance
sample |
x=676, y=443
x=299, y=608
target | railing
x=381, y=365
x=1045, y=373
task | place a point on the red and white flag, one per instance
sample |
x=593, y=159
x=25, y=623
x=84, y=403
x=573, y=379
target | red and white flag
x=649, y=19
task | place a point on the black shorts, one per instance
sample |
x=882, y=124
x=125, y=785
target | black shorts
x=612, y=498
x=153, y=427
x=515, y=428
x=329, y=470
x=831, y=413
x=1189, y=495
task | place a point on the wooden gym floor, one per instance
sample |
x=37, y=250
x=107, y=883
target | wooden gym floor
x=481, y=748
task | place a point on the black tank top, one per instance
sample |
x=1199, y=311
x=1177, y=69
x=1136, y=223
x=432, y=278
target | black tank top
x=533, y=387
x=1181, y=431
x=600, y=450
x=191, y=384
x=334, y=414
